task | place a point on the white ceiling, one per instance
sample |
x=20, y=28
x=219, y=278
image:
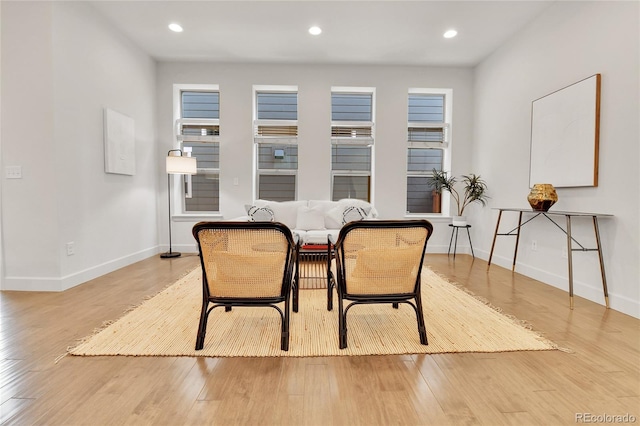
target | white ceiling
x=354, y=32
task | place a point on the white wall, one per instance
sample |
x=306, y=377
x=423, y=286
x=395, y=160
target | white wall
x=29, y=228
x=1, y=239
x=314, y=115
x=568, y=42
x=62, y=65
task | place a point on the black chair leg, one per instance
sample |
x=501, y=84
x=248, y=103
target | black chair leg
x=284, y=343
x=329, y=293
x=202, y=328
x=343, y=338
x=422, y=328
x=295, y=283
x=295, y=287
x=342, y=325
x=330, y=280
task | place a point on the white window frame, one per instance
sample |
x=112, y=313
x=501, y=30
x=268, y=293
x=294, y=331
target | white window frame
x=284, y=139
x=445, y=145
x=180, y=192
x=367, y=140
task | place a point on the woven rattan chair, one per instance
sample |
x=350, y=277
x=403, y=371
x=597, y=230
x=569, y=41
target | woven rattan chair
x=245, y=264
x=380, y=262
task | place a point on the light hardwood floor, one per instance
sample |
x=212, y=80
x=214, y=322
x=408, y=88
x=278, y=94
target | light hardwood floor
x=600, y=376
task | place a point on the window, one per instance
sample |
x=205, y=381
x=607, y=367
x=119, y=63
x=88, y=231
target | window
x=276, y=141
x=352, y=137
x=429, y=118
x=198, y=133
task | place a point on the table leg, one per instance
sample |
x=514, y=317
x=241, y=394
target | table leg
x=515, y=252
x=329, y=280
x=296, y=282
x=604, y=278
x=570, y=261
x=495, y=235
x=455, y=247
x=453, y=229
x=470, y=245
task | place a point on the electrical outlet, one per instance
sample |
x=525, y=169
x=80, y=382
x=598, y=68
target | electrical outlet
x=534, y=245
x=13, y=172
x=71, y=249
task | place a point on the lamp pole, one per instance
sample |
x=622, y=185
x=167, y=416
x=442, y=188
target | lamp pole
x=170, y=253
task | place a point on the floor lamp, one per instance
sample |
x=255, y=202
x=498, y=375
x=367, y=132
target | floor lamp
x=177, y=164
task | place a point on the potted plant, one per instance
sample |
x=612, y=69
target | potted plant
x=475, y=190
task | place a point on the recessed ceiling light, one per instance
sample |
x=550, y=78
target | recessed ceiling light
x=315, y=30
x=450, y=34
x=175, y=28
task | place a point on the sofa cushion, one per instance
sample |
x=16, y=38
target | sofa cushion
x=333, y=218
x=310, y=218
x=320, y=236
x=299, y=235
x=323, y=205
x=326, y=206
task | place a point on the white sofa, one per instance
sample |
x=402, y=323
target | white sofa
x=311, y=220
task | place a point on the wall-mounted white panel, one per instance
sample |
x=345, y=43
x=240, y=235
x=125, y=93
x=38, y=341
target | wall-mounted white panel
x=564, y=135
x=119, y=143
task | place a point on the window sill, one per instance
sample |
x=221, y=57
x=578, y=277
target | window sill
x=196, y=217
x=435, y=218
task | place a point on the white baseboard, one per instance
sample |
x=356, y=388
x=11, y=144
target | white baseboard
x=444, y=249
x=587, y=291
x=72, y=280
x=182, y=248
x=31, y=284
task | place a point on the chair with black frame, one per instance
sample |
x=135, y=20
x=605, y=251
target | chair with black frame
x=380, y=262
x=245, y=264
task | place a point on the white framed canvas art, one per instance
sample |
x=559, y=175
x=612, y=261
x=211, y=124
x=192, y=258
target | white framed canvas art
x=119, y=143
x=565, y=128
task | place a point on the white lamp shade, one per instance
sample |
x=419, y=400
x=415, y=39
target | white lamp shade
x=178, y=165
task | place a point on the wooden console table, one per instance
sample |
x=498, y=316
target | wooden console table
x=570, y=240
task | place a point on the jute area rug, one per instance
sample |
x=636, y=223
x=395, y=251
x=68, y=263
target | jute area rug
x=166, y=325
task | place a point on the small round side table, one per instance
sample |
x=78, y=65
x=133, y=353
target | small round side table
x=454, y=230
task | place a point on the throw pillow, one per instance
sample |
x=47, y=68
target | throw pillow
x=353, y=213
x=286, y=212
x=309, y=218
x=333, y=218
x=260, y=214
x=341, y=214
x=346, y=202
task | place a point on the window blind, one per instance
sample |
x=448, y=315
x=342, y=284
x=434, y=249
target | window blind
x=351, y=118
x=276, y=117
x=426, y=118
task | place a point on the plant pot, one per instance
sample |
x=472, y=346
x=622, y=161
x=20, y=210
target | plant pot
x=459, y=221
x=436, y=198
